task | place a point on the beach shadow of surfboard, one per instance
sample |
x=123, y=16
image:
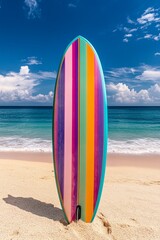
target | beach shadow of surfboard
x=36, y=207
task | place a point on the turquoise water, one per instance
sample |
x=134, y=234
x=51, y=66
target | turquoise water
x=134, y=122
x=25, y=129
x=131, y=129
x=31, y=122
x=134, y=130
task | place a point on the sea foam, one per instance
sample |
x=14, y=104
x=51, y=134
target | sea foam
x=21, y=144
x=136, y=146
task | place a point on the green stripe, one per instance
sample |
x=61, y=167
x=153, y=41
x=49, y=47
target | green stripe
x=82, y=129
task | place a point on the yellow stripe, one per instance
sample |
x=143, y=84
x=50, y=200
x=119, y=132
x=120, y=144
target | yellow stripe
x=90, y=135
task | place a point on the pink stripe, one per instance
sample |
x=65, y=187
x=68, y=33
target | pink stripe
x=68, y=134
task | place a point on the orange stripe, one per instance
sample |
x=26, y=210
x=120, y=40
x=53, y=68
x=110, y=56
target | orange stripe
x=90, y=135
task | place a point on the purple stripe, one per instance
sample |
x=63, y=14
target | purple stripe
x=56, y=130
x=74, y=127
x=61, y=127
x=95, y=133
x=98, y=144
x=100, y=112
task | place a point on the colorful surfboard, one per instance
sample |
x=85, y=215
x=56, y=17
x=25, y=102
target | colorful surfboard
x=80, y=131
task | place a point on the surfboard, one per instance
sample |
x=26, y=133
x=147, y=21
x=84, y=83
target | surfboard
x=80, y=131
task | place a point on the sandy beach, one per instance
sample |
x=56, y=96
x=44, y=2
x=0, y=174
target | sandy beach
x=30, y=208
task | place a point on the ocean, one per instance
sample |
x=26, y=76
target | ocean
x=131, y=129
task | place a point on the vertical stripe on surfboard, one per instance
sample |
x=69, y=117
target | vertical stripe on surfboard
x=60, y=130
x=103, y=99
x=82, y=128
x=90, y=134
x=68, y=134
x=56, y=132
x=74, y=127
x=98, y=130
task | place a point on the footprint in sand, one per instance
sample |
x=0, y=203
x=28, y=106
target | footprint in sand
x=134, y=220
x=105, y=223
x=155, y=183
x=15, y=233
x=124, y=225
x=45, y=177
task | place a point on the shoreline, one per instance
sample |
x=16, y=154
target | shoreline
x=113, y=159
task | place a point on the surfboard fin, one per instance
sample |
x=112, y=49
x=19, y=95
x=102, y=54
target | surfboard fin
x=78, y=212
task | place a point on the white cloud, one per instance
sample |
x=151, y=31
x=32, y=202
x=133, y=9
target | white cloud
x=24, y=70
x=152, y=75
x=13, y=81
x=42, y=97
x=129, y=30
x=121, y=72
x=32, y=61
x=154, y=93
x=33, y=8
x=157, y=38
x=20, y=86
x=132, y=30
x=120, y=87
x=129, y=20
x=125, y=40
x=127, y=85
x=126, y=29
x=149, y=17
x=157, y=54
x=158, y=26
x=148, y=36
x=128, y=35
x=121, y=94
x=44, y=75
x=149, y=10
x=147, y=25
x=133, y=77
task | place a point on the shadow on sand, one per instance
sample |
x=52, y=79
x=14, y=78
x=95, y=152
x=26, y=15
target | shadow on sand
x=36, y=207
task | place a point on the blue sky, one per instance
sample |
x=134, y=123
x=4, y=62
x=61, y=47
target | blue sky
x=35, y=33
